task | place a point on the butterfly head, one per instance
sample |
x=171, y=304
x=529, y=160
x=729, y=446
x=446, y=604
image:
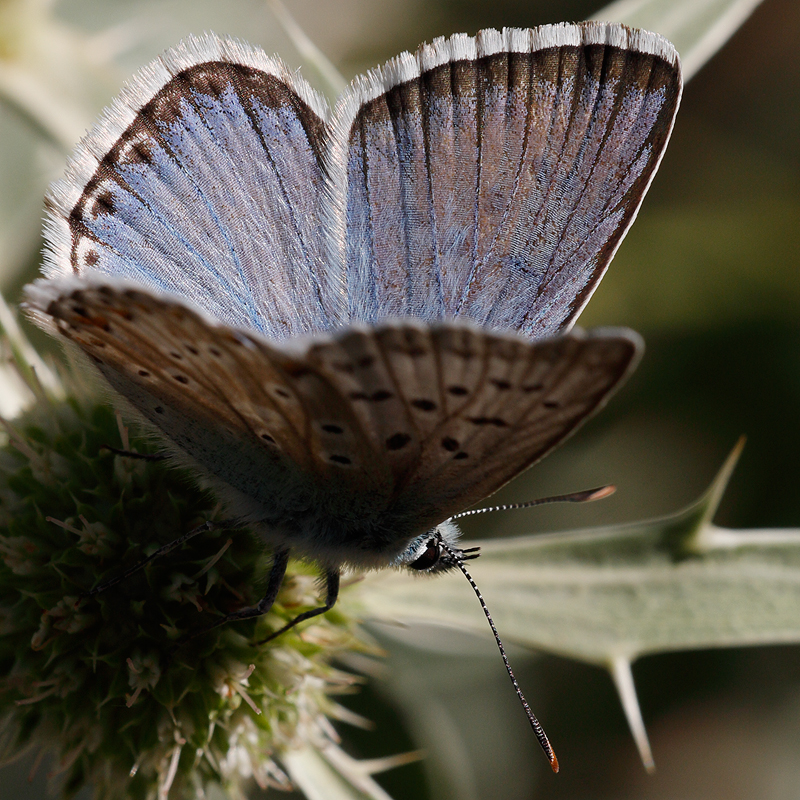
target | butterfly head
x=436, y=551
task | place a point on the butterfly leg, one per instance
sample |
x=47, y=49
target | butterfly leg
x=276, y=574
x=331, y=595
x=132, y=454
x=162, y=551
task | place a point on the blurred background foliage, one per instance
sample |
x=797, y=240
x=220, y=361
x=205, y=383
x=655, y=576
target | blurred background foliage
x=708, y=275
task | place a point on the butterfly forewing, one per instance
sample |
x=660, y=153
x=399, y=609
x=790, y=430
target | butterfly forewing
x=488, y=177
x=494, y=177
x=205, y=178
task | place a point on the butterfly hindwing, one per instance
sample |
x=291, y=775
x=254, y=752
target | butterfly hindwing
x=252, y=413
x=523, y=398
x=494, y=177
x=398, y=421
x=457, y=411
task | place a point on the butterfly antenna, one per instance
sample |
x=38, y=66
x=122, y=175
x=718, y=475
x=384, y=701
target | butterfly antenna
x=535, y=724
x=586, y=496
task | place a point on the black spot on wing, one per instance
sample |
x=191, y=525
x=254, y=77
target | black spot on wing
x=103, y=204
x=496, y=421
x=375, y=397
x=397, y=441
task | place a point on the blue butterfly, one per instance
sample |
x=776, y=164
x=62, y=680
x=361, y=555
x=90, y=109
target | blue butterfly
x=356, y=323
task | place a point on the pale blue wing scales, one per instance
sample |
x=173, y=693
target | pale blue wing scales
x=494, y=177
x=390, y=248
x=205, y=178
x=596, y=166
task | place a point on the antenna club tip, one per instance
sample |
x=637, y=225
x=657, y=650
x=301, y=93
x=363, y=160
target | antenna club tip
x=554, y=762
x=601, y=493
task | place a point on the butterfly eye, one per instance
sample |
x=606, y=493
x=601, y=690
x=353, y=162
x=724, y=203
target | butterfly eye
x=429, y=557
